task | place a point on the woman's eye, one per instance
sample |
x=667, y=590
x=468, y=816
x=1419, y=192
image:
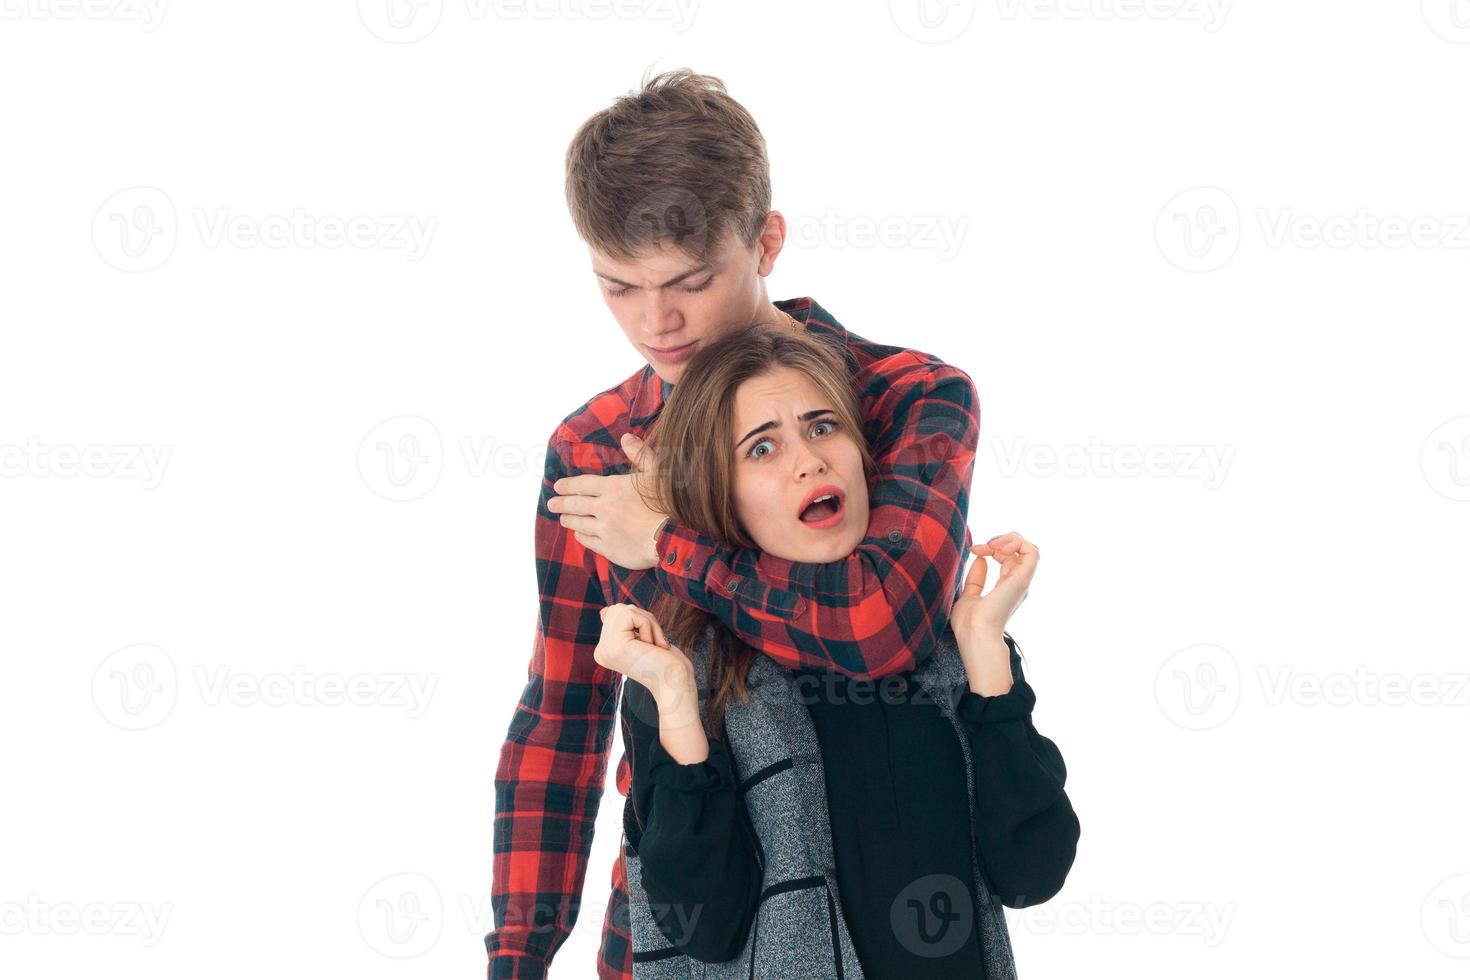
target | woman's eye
x=755, y=451
x=824, y=428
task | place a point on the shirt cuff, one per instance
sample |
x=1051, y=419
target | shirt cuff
x=697, y=570
x=677, y=553
x=715, y=772
x=510, y=966
x=1013, y=705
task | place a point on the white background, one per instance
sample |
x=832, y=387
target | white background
x=1131, y=194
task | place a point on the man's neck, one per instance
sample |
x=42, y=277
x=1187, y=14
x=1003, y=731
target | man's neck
x=775, y=320
x=782, y=321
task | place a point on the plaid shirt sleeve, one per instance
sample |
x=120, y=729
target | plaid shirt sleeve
x=552, y=766
x=882, y=609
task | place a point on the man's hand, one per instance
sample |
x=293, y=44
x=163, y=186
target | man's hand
x=608, y=514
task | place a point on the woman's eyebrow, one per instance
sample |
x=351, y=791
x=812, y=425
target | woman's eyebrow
x=773, y=424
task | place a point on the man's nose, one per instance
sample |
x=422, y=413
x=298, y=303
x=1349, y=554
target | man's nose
x=660, y=315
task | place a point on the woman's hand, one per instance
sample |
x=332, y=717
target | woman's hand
x=980, y=620
x=633, y=644
x=987, y=615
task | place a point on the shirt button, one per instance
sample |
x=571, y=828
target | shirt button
x=895, y=535
x=688, y=564
x=730, y=584
x=669, y=558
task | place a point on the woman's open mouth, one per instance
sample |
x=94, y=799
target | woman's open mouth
x=822, y=508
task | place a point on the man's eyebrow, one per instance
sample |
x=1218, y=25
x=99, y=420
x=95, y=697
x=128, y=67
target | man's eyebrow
x=702, y=267
x=773, y=424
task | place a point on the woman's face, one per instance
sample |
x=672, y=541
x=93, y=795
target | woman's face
x=790, y=452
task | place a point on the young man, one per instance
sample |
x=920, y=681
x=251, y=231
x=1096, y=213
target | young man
x=670, y=188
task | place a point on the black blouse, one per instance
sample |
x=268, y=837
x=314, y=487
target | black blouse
x=901, y=830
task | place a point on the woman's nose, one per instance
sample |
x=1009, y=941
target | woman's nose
x=810, y=464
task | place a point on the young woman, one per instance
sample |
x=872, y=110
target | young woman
x=761, y=796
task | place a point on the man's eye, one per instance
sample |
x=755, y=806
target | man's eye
x=701, y=287
x=755, y=450
x=824, y=428
x=618, y=292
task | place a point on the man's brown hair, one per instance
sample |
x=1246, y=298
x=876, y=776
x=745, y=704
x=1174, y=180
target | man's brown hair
x=694, y=437
x=677, y=164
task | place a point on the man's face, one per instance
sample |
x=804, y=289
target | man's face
x=669, y=304
x=799, y=486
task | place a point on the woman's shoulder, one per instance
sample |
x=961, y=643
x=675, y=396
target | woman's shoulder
x=944, y=664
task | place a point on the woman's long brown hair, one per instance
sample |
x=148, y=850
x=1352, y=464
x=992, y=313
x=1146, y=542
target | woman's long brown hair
x=695, y=441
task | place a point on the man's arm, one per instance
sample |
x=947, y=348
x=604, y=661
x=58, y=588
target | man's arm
x=552, y=766
x=882, y=609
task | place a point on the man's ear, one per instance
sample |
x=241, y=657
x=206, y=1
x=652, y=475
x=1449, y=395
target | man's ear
x=772, y=240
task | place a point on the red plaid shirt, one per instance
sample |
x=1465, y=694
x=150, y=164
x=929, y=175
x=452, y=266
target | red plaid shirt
x=878, y=612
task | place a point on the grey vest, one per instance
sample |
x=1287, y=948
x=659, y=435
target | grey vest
x=799, y=932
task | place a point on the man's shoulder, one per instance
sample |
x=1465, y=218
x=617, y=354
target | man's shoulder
x=876, y=366
x=869, y=359
x=602, y=419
